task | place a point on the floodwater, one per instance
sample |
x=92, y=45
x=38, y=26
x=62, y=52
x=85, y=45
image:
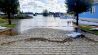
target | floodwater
x=22, y=25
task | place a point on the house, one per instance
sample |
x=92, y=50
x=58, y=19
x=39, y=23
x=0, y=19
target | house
x=93, y=13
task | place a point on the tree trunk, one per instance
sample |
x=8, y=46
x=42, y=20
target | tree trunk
x=77, y=21
x=9, y=18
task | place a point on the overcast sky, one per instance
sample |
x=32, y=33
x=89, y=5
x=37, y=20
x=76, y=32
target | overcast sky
x=40, y=5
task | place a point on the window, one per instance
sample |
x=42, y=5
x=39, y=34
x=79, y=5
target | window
x=93, y=10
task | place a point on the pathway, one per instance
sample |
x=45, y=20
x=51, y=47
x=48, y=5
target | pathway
x=46, y=42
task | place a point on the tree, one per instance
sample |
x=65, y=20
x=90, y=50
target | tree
x=9, y=7
x=78, y=6
x=45, y=13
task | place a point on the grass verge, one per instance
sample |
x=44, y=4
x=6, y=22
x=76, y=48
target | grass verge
x=4, y=23
x=88, y=29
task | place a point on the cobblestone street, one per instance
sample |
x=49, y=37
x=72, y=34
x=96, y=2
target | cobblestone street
x=55, y=42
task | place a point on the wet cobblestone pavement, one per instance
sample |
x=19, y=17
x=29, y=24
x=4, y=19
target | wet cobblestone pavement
x=54, y=43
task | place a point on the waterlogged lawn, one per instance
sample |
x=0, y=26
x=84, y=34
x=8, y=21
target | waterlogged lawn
x=9, y=26
x=88, y=29
x=4, y=23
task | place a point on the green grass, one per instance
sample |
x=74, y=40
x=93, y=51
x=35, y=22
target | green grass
x=2, y=20
x=4, y=23
x=96, y=32
x=88, y=29
x=84, y=27
x=9, y=26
